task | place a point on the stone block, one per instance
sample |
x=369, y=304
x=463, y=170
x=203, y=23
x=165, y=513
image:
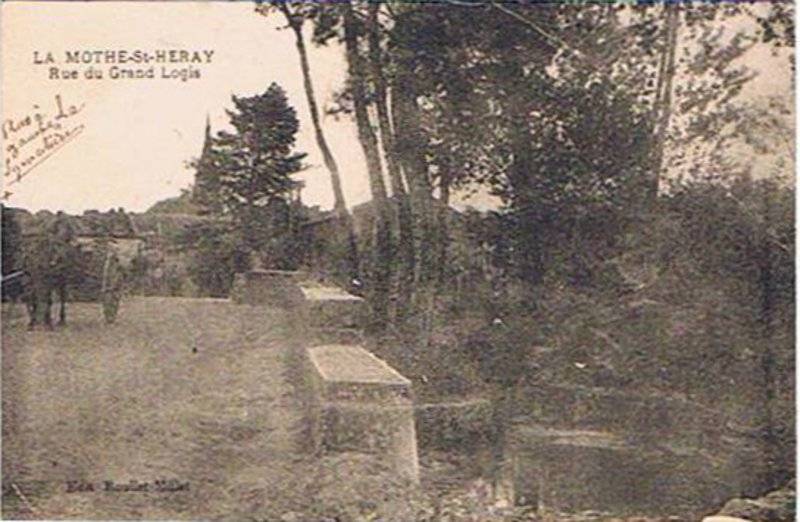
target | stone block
x=361, y=404
x=331, y=307
x=278, y=288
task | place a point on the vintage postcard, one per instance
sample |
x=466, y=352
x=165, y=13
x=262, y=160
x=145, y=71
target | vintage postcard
x=464, y=260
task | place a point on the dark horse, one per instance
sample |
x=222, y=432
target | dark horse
x=48, y=262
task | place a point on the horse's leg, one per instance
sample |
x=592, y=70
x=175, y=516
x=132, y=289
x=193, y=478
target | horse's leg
x=48, y=305
x=62, y=297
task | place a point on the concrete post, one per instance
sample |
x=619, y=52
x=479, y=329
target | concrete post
x=363, y=405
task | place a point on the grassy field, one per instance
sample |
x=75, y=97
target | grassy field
x=199, y=393
x=186, y=390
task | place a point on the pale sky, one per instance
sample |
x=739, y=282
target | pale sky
x=138, y=134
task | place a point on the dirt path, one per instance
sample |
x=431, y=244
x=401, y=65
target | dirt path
x=188, y=390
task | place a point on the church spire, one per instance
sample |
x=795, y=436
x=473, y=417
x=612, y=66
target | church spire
x=207, y=141
x=206, y=178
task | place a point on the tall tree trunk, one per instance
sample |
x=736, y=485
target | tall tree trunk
x=443, y=230
x=369, y=142
x=384, y=122
x=768, y=363
x=663, y=103
x=344, y=219
x=411, y=151
x=404, y=269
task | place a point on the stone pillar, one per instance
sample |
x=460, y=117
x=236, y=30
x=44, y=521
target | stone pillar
x=361, y=404
x=267, y=287
x=332, y=307
x=332, y=315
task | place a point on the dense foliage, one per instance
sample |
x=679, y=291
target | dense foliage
x=11, y=236
x=245, y=173
x=244, y=179
x=637, y=244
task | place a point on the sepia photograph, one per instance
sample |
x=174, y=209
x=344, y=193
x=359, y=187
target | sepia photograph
x=398, y=261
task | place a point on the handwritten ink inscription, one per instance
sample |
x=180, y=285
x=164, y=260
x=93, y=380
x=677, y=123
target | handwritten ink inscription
x=28, y=141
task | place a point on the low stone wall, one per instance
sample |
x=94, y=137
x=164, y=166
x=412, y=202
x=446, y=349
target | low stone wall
x=574, y=449
x=278, y=288
x=361, y=404
x=641, y=416
x=571, y=471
